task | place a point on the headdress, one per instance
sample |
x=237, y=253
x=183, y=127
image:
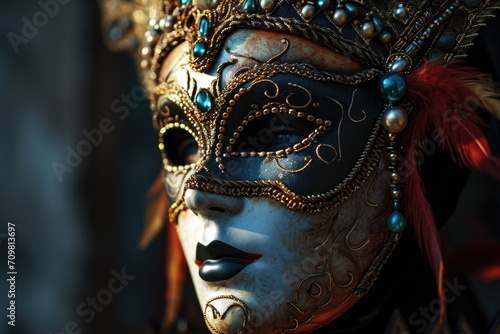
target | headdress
x=410, y=47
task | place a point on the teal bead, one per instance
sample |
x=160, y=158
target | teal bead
x=204, y=27
x=250, y=6
x=200, y=48
x=204, y=100
x=393, y=87
x=378, y=25
x=323, y=4
x=351, y=9
x=396, y=222
x=185, y=2
x=447, y=41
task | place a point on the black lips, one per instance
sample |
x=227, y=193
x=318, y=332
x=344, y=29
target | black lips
x=220, y=261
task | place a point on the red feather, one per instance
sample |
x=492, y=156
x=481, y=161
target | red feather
x=446, y=105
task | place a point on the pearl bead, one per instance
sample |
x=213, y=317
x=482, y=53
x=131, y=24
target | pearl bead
x=394, y=119
x=307, y=11
x=207, y=4
x=385, y=37
x=396, y=194
x=396, y=222
x=401, y=12
x=395, y=177
x=393, y=87
x=204, y=100
x=340, y=17
x=367, y=29
x=267, y=5
x=399, y=65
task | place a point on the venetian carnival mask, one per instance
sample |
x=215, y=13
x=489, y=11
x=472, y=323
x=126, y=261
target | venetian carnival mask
x=278, y=126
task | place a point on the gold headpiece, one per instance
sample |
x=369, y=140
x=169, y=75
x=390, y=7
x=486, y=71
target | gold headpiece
x=381, y=34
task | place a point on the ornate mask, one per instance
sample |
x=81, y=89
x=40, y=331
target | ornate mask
x=277, y=125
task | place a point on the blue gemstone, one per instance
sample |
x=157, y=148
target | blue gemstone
x=204, y=26
x=204, y=100
x=323, y=4
x=352, y=10
x=393, y=86
x=249, y=6
x=185, y=2
x=378, y=25
x=200, y=48
x=396, y=222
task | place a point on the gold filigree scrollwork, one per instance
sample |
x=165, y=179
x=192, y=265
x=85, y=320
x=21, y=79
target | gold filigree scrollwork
x=363, y=112
x=281, y=53
x=259, y=81
x=301, y=169
x=307, y=104
x=323, y=159
x=355, y=248
x=339, y=126
x=356, y=220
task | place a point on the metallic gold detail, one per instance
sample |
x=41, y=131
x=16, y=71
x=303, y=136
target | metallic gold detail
x=321, y=158
x=291, y=94
x=351, y=279
x=280, y=54
x=339, y=126
x=175, y=209
x=353, y=248
x=303, y=203
x=309, y=161
x=350, y=109
x=218, y=317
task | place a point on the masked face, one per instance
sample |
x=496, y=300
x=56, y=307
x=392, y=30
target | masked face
x=273, y=165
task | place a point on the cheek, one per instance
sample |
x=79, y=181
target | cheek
x=189, y=230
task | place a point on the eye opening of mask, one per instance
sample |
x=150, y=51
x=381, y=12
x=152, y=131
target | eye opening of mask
x=272, y=133
x=179, y=147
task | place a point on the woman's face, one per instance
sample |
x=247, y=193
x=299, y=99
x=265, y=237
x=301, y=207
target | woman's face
x=276, y=236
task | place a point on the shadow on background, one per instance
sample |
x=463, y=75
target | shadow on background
x=78, y=221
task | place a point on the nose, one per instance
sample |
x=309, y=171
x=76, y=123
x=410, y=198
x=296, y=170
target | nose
x=209, y=205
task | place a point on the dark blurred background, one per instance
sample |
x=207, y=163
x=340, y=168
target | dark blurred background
x=77, y=228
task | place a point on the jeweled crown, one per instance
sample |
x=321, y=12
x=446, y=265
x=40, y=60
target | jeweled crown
x=388, y=35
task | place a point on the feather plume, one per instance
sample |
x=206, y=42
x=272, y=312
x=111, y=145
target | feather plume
x=156, y=212
x=447, y=105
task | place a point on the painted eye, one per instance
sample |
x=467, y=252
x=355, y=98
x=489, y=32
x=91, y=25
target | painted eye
x=180, y=147
x=272, y=133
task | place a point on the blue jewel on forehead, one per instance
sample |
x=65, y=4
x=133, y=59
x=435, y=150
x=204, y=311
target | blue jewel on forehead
x=199, y=49
x=204, y=100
